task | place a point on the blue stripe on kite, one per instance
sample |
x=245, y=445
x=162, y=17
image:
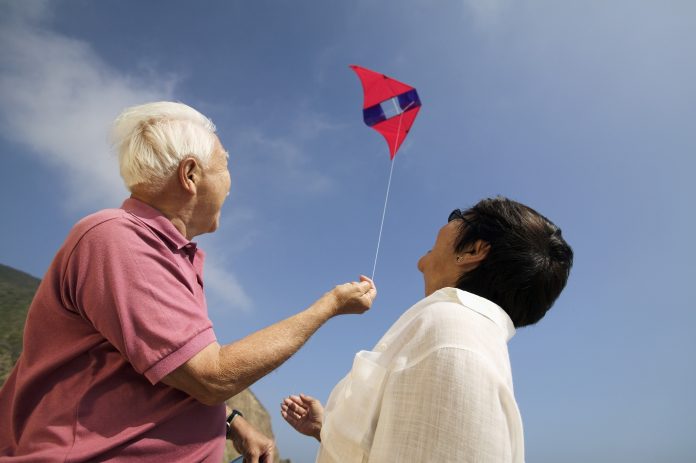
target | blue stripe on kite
x=409, y=100
x=375, y=114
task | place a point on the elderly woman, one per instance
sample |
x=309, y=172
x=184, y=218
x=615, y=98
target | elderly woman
x=438, y=386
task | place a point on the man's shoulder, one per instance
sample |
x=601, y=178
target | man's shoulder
x=108, y=223
x=100, y=217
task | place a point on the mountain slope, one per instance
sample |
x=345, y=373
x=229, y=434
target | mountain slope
x=16, y=292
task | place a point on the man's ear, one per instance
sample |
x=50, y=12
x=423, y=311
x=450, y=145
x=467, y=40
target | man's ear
x=473, y=255
x=189, y=174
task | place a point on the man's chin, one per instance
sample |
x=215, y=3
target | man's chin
x=215, y=224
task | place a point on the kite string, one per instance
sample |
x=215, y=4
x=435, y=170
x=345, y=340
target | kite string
x=381, y=225
x=384, y=210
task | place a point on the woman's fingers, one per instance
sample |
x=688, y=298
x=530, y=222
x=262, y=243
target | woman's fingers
x=292, y=408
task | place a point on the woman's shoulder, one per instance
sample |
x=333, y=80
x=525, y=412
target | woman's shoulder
x=444, y=307
x=444, y=320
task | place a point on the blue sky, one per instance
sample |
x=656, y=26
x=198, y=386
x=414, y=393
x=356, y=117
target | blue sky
x=583, y=110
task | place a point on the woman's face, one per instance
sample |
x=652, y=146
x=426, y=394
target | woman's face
x=439, y=266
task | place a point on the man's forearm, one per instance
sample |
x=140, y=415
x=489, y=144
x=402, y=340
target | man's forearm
x=217, y=372
x=244, y=362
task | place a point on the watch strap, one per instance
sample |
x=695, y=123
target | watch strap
x=229, y=420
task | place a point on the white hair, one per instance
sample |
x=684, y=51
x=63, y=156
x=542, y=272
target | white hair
x=152, y=139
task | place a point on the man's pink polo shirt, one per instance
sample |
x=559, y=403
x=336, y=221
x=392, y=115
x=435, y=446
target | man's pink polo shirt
x=120, y=307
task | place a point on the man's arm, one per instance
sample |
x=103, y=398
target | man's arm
x=219, y=372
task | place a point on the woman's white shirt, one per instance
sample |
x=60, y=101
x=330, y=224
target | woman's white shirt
x=437, y=387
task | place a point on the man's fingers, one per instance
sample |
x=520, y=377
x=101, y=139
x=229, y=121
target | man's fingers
x=270, y=454
x=369, y=287
x=363, y=278
x=363, y=284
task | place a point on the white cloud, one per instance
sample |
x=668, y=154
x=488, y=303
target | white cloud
x=59, y=99
x=225, y=287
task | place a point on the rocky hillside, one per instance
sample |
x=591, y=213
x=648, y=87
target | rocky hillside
x=16, y=292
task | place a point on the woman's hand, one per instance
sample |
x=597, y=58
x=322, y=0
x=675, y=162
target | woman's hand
x=304, y=413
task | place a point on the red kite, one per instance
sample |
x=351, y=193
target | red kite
x=390, y=106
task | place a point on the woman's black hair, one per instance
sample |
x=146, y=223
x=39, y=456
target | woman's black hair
x=527, y=265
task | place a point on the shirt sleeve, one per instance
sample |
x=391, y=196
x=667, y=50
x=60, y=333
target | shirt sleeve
x=447, y=406
x=352, y=410
x=126, y=282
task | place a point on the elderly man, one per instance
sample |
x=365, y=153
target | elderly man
x=120, y=361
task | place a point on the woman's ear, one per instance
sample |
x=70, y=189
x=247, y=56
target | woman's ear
x=473, y=255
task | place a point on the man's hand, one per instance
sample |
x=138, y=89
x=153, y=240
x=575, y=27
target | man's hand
x=354, y=298
x=304, y=413
x=254, y=446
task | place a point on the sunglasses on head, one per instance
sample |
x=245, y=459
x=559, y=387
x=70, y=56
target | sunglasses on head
x=459, y=214
x=456, y=214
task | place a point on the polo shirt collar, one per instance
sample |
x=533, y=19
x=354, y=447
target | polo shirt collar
x=488, y=309
x=159, y=224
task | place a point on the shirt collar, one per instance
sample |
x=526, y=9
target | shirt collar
x=159, y=224
x=488, y=309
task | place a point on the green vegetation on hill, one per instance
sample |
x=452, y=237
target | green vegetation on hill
x=16, y=292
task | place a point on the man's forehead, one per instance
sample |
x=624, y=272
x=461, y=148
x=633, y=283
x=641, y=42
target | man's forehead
x=221, y=147
x=222, y=155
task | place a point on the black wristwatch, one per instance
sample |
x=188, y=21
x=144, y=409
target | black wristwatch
x=234, y=413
